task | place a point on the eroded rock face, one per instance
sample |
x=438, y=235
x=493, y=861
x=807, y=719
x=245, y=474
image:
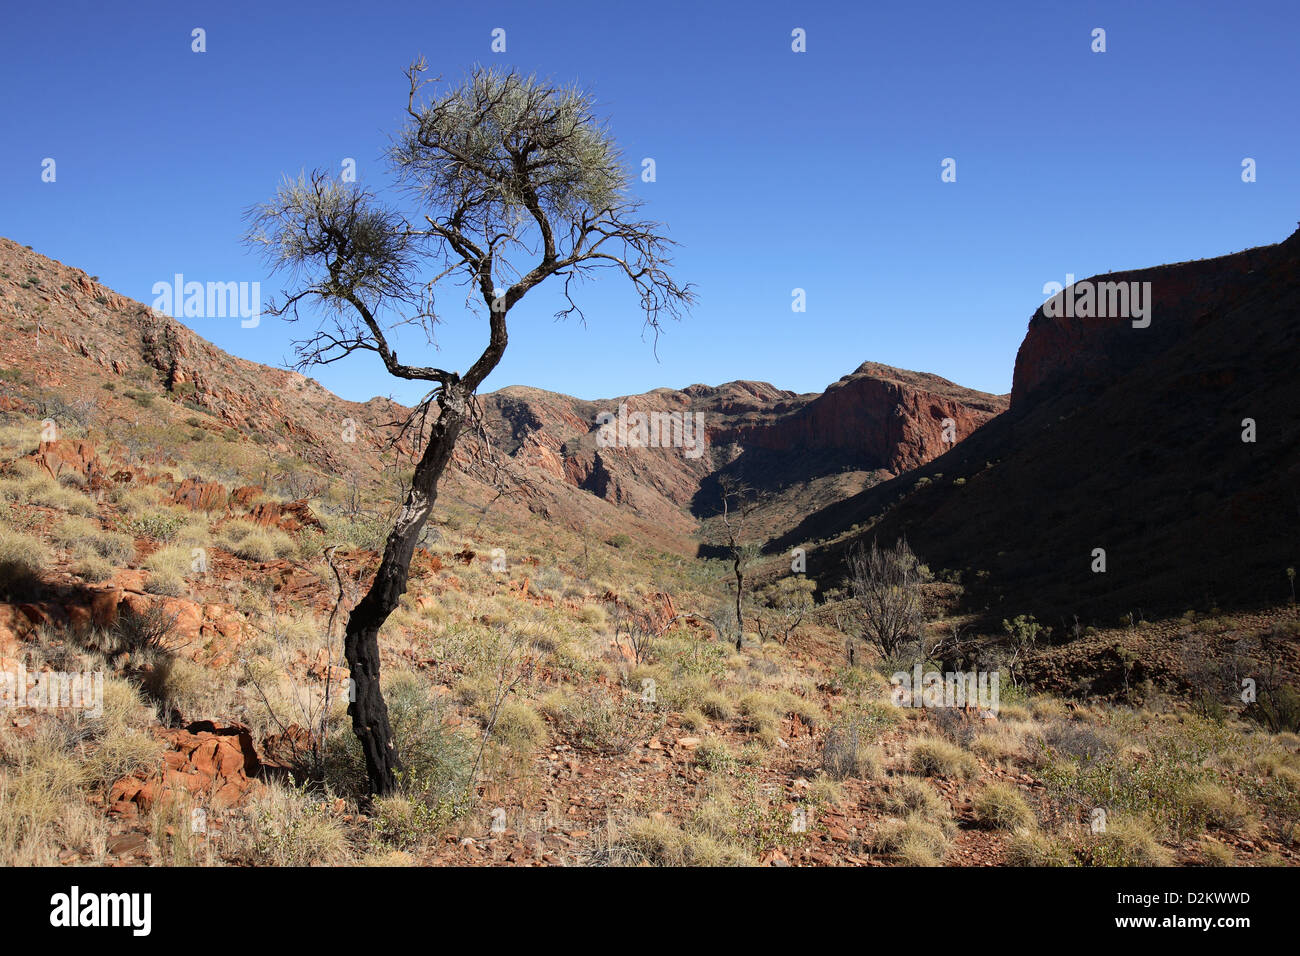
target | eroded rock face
x=59, y=458
x=287, y=516
x=875, y=413
x=876, y=418
x=200, y=495
x=1067, y=352
x=212, y=762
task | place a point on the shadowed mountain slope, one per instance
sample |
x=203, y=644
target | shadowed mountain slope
x=1124, y=439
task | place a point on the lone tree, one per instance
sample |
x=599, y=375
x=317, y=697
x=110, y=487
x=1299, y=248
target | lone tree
x=511, y=181
x=738, y=506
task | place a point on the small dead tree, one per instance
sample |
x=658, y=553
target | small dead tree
x=1023, y=633
x=512, y=181
x=354, y=496
x=790, y=600
x=300, y=484
x=514, y=666
x=952, y=649
x=738, y=504
x=636, y=631
x=888, y=585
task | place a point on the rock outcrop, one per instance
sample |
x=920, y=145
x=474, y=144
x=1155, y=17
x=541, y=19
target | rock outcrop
x=1069, y=352
x=212, y=763
x=891, y=419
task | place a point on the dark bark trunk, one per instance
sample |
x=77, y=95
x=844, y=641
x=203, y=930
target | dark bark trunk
x=740, y=591
x=361, y=641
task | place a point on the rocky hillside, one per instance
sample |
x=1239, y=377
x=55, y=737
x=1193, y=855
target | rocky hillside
x=566, y=687
x=1128, y=439
x=74, y=346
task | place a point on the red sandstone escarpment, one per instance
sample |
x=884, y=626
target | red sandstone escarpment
x=892, y=419
x=1065, y=352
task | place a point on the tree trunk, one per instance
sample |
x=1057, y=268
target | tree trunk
x=740, y=592
x=361, y=640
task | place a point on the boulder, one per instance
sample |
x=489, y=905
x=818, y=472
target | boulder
x=200, y=495
x=214, y=762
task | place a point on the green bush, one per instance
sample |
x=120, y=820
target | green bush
x=597, y=721
x=714, y=755
x=436, y=781
x=156, y=525
x=1277, y=709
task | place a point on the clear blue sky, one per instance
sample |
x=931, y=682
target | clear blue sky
x=776, y=170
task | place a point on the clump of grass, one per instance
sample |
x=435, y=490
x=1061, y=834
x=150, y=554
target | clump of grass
x=1000, y=806
x=1004, y=741
x=154, y=523
x=762, y=714
x=804, y=709
x=661, y=843
x=173, y=559
x=908, y=795
x=596, y=721
x=84, y=537
x=122, y=751
x=93, y=568
x=593, y=615
x=43, y=491
x=1077, y=741
x=674, y=691
x=714, y=704
x=40, y=780
x=846, y=753
x=168, y=567
x=290, y=827
x=254, y=543
x=174, y=839
x=1048, y=708
x=541, y=635
x=693, y=719
x=1220, y=807
x=123, y=707
x=1217, y=854
x=519, y=727
x=179, y=687
x=22, y=559
x=935, y=756
x=387, y=857
x=1128, y=841
x=166, y=584
x=825, y=790
x=915, y=840
x=1031, y=847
